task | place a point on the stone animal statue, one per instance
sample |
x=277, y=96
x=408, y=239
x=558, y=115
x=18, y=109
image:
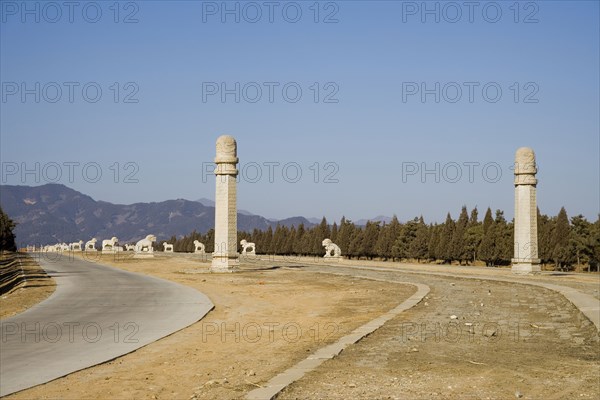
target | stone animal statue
x=130, y=247
x=145, y=245
x=168, y=248
x=109, y=244
x=199, y=247
x=76, y=245
x=331, y=249
x=91, y=244
x=248, y=245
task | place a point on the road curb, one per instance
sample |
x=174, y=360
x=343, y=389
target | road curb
x=287, y=377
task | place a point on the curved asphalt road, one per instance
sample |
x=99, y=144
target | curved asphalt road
x=97, y=313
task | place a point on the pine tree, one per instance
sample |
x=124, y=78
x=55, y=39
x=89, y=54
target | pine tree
x=560, y=241
x=334, y=232
x=319, y=233
x=434, y=241
x=545, y=232
x=473, y=218
x=345, y=234
x=369, y=241
x=355, y=246
x=387, y=237
x=580, y=243
x=503, y=242
x=299, y=247
x=595, y=243
x=457, y=248
x=487, y=221
x=444, y=249
x=7, y=235
x=419, y=246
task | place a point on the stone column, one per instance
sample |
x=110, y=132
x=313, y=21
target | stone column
x=525, y=259
x=225, y=256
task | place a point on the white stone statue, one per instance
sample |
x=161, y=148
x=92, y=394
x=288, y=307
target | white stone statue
x=248, y=245
x=109, y=244
x=130, y=247
x=331, y=249
x=145, y=245
x=76, y=246
x=168, y=248
x=90, y=245
x=199, y=247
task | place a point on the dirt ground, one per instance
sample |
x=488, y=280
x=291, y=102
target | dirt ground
x=35, y=289
x=468, y=339
x=264, y=322
x=505, y=341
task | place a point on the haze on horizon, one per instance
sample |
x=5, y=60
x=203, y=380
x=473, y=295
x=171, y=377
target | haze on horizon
x=388, y=92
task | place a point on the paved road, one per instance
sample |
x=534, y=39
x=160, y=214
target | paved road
x=96, y=314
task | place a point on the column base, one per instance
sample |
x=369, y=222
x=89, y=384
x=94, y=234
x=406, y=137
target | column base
x=526, y=267
x=225, y=263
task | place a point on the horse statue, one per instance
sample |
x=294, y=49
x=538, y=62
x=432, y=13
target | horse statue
x=248, y=245
x=90, y=245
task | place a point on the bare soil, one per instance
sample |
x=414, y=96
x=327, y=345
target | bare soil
x=37, y=287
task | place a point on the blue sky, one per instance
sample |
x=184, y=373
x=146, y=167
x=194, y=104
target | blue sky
x=365, y=128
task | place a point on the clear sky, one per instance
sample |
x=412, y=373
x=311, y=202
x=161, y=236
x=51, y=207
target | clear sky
x=388, y=89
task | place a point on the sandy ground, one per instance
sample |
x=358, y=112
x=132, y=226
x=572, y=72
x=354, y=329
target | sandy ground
x=468, y=339
x=264, y=322
x=35, y=289
x=506, y=341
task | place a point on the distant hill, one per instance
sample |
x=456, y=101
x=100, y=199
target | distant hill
x=380, y=218
x=55, y=213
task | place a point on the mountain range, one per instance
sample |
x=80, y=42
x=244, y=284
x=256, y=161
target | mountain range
x=54, y=213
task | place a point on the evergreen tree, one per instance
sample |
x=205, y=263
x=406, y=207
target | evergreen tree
x=444, y=249
x=370, y=236
x=387, y=237
x=487, y=221
x=503, y=240
x=418, y=248
x=7, y=236
x=545, y=232
x=299, y=247
x=355, y=246
x=334, y=232
x=487, y=247
x=277, y=239
x=457, y=247
x=473, y=218
x=595, y=243
x=408, y=232
x=560, y=241
x=580, y=243
x=345, y=235
x=473, y=238
x=289, y=243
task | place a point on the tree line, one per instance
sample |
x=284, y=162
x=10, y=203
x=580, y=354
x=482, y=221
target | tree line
x=7, y=236
x=562, y=243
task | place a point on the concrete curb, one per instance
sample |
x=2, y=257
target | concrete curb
x=279, y=382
